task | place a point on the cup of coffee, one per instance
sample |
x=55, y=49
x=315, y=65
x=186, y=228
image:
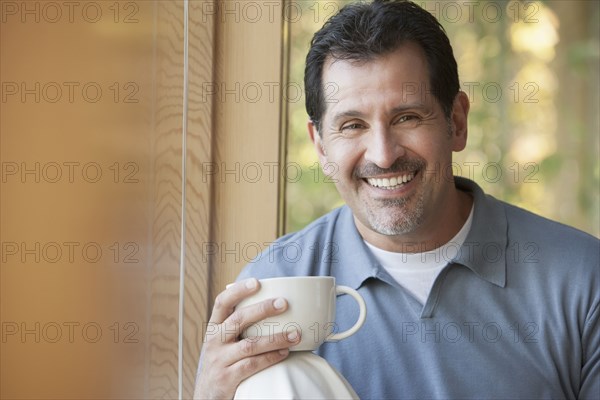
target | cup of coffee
x=311, y=310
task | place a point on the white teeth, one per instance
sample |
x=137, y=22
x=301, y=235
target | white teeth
x=391, y=183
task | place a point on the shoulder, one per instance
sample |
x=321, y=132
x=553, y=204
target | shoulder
x=548, y=234
x=499, y=221
x=550, y=260
x=297, y=253
x=558, y=257
x=524, y=234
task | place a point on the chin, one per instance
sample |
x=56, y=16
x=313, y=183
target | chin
x=396, y=229
x=395, y=221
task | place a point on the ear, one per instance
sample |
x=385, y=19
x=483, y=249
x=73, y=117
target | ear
x=460, y=112
x=317, y=142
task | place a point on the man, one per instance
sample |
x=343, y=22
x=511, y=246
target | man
x=467, y=296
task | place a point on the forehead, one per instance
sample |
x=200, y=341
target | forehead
x=401, y=76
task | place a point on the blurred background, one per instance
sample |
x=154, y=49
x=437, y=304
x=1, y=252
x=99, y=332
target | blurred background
x=150, y=149
x=530, y=69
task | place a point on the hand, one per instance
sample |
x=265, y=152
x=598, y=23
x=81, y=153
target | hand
x=226, y=361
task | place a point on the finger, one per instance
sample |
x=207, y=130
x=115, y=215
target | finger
x=246, y=316
x=251, y=365
x=230, y=297
x=253, y=346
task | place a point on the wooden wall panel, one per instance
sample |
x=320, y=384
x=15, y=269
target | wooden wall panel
x=233, y=133
x=228, y=132
x=134, y=212
x=76, y=110
x=167, y=170
x=198, y=201
x=247, y=124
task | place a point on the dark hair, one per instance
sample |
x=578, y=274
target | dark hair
x=361, y=32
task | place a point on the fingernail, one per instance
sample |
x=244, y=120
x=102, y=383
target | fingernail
x=292, y=336
x=284, y=352
x=251, y=284
x=279, y=303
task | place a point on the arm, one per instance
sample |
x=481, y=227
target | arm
x=225, y=360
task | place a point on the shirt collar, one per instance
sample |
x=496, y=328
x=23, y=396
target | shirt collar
x=483, y=252
x=484, y=249
x=354, y=263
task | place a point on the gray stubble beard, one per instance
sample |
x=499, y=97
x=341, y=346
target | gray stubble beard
x=392, y=225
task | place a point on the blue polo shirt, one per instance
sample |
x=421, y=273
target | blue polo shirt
x=513, y=315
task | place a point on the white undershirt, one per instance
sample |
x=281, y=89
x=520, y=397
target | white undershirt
x=416, y=272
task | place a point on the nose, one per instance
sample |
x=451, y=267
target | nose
x=383, y=146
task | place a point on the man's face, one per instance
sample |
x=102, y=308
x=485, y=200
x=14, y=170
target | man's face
x=388, y=141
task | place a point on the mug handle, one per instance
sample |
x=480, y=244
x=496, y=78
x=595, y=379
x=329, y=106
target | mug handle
x=361, y=316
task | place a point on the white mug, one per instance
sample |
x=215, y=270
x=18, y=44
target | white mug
x=311, y=310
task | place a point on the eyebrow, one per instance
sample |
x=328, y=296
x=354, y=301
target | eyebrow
x=395, y=110
x=347, y=114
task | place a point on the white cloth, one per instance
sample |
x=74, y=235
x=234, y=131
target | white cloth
x=302, y=375
x=416, y=272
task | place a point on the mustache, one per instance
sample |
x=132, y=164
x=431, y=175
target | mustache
x=399, y=166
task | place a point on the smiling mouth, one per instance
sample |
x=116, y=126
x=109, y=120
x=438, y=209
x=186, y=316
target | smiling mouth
x=391, y=183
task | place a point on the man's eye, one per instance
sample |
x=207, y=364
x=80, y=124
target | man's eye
x=351, y=127
x=406, y=118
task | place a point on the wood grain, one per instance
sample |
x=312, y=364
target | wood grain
x=163, y=326
x=108, y=294
x=236, y=129
x=224, y=210
x=199, y=205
